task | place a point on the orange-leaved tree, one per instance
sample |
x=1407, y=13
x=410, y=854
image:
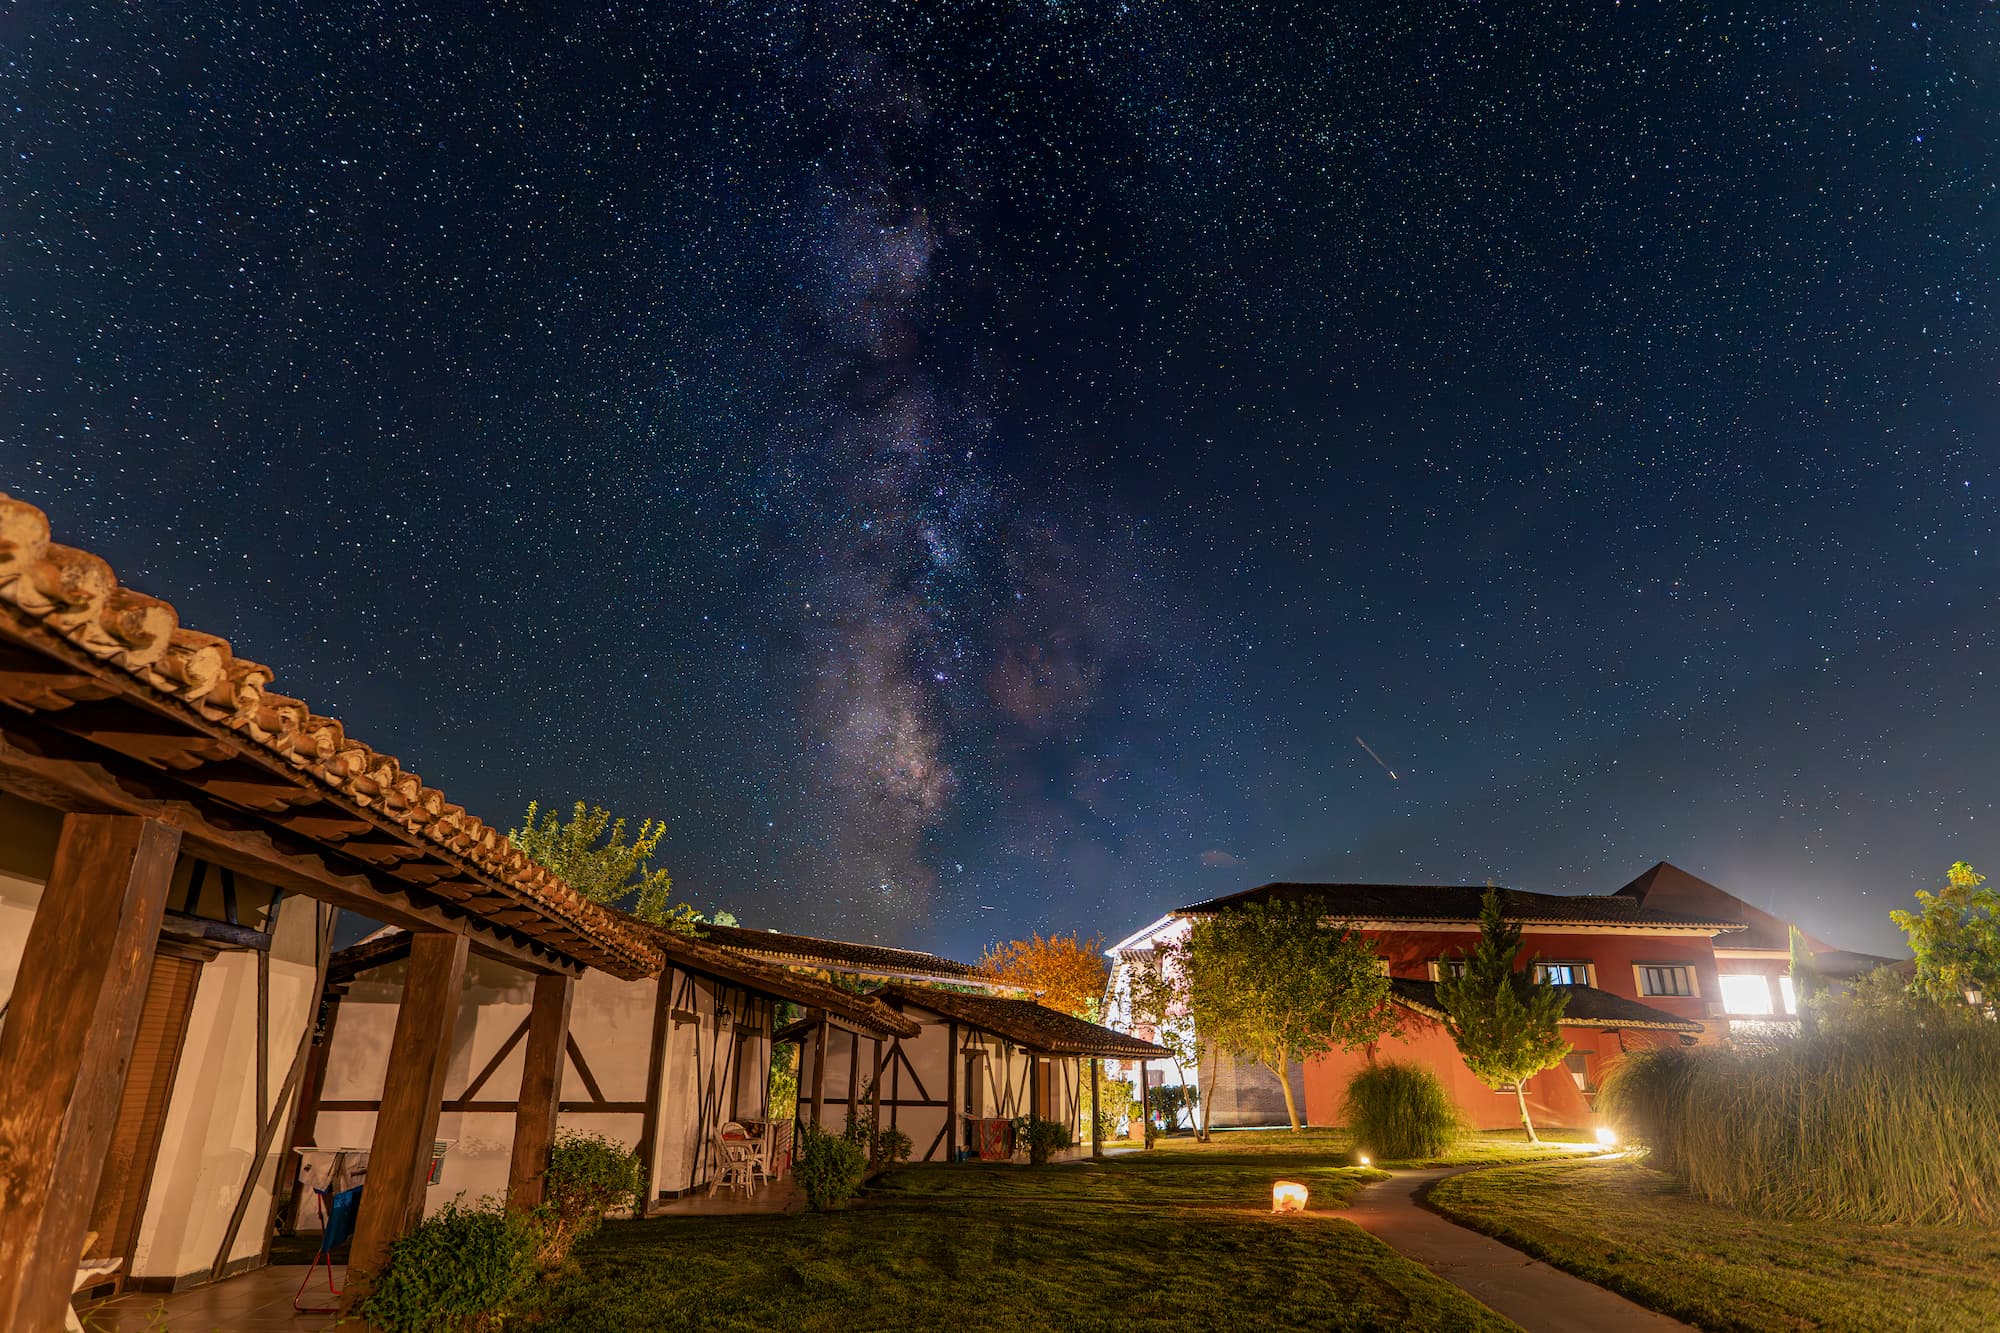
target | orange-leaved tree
x=1069, y=972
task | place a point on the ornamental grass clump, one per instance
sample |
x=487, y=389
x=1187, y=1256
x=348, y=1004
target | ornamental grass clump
x=1890, y=1120
x=1400, y=1111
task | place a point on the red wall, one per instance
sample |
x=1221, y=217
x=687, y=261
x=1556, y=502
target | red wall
x=1554, y=1100
x=1411, y=952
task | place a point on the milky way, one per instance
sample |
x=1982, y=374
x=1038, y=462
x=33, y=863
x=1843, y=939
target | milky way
x=999, y=457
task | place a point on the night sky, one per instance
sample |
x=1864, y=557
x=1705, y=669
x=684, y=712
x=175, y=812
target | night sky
x=974, y=468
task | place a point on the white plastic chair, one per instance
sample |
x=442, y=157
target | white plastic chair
x=735, y=1157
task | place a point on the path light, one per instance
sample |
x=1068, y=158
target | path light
x=1363, y=1159
x=1288, y=1196
x=1607, y=1136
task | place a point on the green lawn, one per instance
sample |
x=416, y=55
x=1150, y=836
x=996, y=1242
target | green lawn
x=1485, y=1146
x=1632, y=1229
x=1177, y=1239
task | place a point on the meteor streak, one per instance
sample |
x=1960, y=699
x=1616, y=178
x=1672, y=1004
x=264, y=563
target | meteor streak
x=1376, y=757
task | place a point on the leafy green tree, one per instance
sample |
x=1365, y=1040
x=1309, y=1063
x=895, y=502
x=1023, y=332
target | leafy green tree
x=1956, y=938
x=1278, y=983
x=1504, y=1020
x=589, y=851
x=1157, y=991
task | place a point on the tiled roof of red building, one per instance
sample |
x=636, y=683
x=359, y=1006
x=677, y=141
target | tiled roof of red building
x=808, y=949
x=279, y=756
x=1026, y=1023
x=1459, y=903
x=1588, y=1007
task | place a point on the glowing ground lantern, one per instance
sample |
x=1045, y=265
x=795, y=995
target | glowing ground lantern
x=1288, y=1196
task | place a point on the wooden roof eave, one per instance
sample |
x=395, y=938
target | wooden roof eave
x=82, y=736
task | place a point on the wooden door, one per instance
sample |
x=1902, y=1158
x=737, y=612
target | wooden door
x=142, y=1110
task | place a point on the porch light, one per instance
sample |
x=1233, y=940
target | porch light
x=1607, y=1136
x=1288, y=1196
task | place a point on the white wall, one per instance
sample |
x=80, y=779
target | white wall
x=211, y=1126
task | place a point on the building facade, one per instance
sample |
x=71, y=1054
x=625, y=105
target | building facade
x=1668, y=958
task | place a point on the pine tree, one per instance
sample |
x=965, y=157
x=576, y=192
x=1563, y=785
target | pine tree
x=1504, y=1021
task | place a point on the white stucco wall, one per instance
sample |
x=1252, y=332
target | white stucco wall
x=210, y=1132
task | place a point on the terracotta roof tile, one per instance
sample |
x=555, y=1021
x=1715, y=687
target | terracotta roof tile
x=808, y=949
x=1460, y=902
x=1035, y=1026
x=75, y=596
x=1588, y=1007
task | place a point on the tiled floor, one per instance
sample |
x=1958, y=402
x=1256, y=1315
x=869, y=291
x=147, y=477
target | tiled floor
x=256, y=1302
x=781, y=1196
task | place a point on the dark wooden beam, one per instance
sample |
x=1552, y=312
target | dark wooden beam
x=819, y=1069
x=953, y=1059
x=399, y=1156
x=853, y=1077
x=656, y=1068
x=1096, y=1124
x=248, y=845
x=66, y=1046
x=541, y=1091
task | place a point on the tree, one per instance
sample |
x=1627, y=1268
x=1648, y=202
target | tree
x=612, y=872
x=1504, y=1021
x=1066, y=972
x=1278, y=983
x=1157, y=992
x=1956, y=938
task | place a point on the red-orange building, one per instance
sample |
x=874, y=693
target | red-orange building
x=1669, y=958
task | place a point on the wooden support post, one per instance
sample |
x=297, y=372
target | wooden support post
x=952, y=1059
x=656, y=1070
x=819, y=1069
x=541, y=1089
x=875, y=1088
x=399, y=1156
x=1096, y=1124
x=853, y=1076
x=1145, y=1102
x=1035, y=1077
x=66, y=1045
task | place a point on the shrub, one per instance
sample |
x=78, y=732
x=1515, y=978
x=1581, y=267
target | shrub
x=1400, y=1111
x=828, y=1168
x=891, y=1146
x=1888, y=1121
x=1042, y=1137
x=588, y=1175
x=1169, y=1101
x=459, y=1269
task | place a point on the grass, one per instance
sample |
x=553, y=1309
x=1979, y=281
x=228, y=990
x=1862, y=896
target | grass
x=1636, y=1231
x=1914, y=1093
x=1175, y=1239
x=1475, y=1148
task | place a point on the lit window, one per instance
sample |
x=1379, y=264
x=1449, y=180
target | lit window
x=1789, y=996
x=1665, y=979
x=1563, y=974
x=1745, y=994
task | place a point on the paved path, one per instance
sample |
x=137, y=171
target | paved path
x=1539, y=1298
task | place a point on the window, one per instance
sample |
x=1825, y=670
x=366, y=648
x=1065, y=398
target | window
x=1578, y=1065
x=1789, y=996
x=1748, y=993
x=1665, y=979
x=1447, y=967
x=1563, y=974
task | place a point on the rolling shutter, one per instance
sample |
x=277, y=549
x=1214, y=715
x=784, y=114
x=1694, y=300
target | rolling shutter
x=142, y=1110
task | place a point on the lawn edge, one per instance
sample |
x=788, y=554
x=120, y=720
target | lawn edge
x=1609, y=1279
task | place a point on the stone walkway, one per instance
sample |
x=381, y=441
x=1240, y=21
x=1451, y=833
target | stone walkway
x=1534, y=1295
